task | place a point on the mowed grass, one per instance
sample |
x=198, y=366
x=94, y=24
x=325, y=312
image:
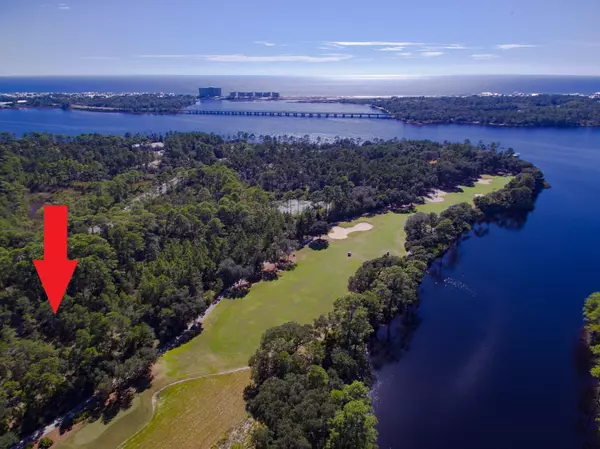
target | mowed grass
x=232, y=333
x=189, y=424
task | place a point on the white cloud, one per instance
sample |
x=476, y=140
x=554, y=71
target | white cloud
x=454, y=47
x=372, y=44
x=168, y=56
x=404, y=53
x=281, y=58
x=513, y=46
x=100, y=58
x=437, y=47
x=248, y=58
x=265, y=43
x=431, y=54
x=63, y=6
x=484, y=56
x=391, y=49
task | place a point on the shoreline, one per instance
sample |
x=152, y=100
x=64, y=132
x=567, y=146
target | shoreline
x=426, y=254
x=407, y=122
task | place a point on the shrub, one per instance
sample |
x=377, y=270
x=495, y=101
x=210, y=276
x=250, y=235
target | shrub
x=45, y=443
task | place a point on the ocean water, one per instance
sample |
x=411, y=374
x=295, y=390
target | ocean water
x=307, y=86
x=493, y=364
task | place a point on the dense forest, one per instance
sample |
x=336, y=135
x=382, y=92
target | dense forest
x=505, y=110
x=591, y=315
x=310, y=384
x=136, y=103
x=160, y=234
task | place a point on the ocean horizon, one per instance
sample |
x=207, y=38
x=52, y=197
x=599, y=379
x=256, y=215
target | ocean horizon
x=294, y=86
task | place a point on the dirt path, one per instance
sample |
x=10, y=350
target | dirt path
x=155, y=395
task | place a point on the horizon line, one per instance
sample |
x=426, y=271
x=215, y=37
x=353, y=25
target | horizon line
x=373, y=76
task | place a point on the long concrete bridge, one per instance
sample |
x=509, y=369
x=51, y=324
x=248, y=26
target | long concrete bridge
x=378, y=115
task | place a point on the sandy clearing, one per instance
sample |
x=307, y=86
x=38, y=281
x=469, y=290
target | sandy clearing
x=436, y=197
x=478, y=195
x=338, y=233
x=483, y=180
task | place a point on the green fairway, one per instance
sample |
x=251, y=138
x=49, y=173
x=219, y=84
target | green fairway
x=233, y=331
x=188, y=424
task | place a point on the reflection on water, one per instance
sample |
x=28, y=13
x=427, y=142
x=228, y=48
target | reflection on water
x=491, y=365
x=458, y=285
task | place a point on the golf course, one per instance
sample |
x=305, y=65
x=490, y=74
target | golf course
x=196, y=395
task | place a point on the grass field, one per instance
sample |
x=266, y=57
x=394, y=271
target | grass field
x=189, y=414
x=166, y=429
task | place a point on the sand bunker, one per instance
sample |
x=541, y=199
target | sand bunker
x=339, y=233
x=484, y=180
x=436, y=197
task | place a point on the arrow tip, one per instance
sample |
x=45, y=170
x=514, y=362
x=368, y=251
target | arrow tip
x=55, y=277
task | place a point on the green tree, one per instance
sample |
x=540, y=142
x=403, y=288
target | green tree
x=354, y=425
x=318, y=229
x=45, y=443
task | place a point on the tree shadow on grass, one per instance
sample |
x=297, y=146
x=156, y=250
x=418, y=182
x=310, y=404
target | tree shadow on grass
x=269, y=276
x=318, y=244
x=106, y=406
x=122, y=400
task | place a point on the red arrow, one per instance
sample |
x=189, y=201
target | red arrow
x=55, y=271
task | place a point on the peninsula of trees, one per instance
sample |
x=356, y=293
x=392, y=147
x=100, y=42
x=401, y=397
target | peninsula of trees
x=156, y=103
x=543, y=110
x=161, y=231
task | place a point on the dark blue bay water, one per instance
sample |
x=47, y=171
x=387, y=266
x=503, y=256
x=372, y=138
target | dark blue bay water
x=493, y=363
x=305, y=86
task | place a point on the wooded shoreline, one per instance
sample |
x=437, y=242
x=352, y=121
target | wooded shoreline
x=325, y=369
x=519, y=111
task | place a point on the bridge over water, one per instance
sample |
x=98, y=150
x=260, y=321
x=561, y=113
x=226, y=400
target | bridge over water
x=376, y=115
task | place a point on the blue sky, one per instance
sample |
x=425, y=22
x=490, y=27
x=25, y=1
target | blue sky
x=306, y=37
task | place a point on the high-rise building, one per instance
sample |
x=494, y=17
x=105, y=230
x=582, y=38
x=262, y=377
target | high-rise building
x=253, y=95
x=209, y=92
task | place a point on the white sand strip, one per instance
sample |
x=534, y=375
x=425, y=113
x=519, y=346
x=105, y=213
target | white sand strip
x=483, y=180
x=338, y=233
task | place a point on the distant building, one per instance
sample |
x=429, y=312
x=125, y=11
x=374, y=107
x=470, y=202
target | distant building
x=154, y=146
x=209, y=92
x=253, y=95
